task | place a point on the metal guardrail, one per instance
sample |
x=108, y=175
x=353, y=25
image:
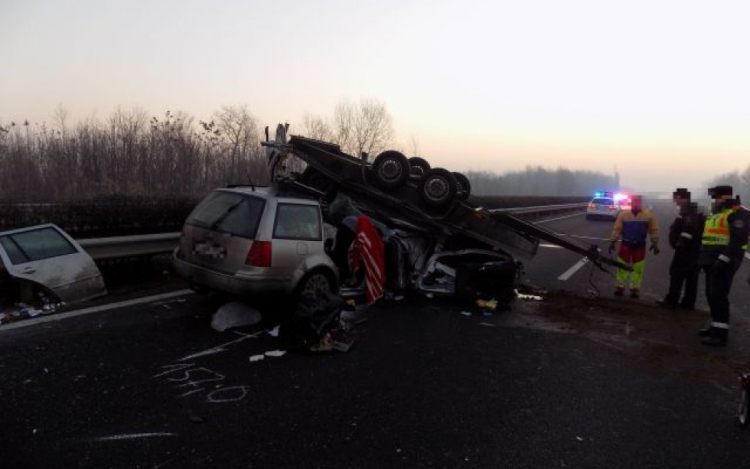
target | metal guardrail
x=544, y=210
x=128, y=246
x=164, y=243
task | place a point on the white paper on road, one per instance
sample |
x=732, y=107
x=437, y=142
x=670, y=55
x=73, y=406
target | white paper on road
x=576, y=267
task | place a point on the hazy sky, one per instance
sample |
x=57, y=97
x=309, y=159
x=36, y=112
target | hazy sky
x=657, y=88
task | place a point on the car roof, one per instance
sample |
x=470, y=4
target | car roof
x=266, y=193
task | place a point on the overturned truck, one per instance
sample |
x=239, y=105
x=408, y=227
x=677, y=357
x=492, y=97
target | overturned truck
x=461, y=247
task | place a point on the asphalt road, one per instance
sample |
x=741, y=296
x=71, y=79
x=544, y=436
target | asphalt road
x=551, y=262
x=560, y=383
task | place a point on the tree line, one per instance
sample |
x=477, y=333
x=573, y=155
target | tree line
x=536, y=180
x=174, y=156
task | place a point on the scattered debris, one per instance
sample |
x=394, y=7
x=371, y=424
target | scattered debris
x=466, y=313
x=487, y=304
x=275, y=353
x=257, y=358
x=579, y=438
x=343, y=341
x=197, y=418
x=234, y=314
x=487, y=324
x=522, y=296
x=274, y=332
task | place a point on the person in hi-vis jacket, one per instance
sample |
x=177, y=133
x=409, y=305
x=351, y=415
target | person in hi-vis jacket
x=632, y=228
x=722, y=250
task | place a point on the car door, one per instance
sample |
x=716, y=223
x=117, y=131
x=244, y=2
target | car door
x=45, y=255
x=297, y=232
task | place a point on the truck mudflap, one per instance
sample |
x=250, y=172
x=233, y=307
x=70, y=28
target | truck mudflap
x=499, y=230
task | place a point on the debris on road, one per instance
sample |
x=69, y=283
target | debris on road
x=256, y=358
x=522, y=296
x=234, y=314
x=275, y=353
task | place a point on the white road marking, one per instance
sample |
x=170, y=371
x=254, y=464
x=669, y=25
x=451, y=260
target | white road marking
x=560, y=218
x=221, y=348
x=132, y=436
x=95, y=309
x=582, y=237
x=576, y=267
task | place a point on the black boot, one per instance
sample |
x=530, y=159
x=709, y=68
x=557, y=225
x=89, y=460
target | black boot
x=666, y=303
x=717, y=338
x=706, y=329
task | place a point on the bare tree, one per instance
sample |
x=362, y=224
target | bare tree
x=316, y=127
x=373, y=127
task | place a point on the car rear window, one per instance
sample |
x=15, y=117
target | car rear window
x=36, y=245
x=603, y=201
x=229, y=212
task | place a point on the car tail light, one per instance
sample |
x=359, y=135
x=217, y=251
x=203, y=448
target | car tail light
x=259, y=254
x=613, y=207
x=592, y=206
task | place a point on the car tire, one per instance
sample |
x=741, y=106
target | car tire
x=390, y=169
x=317, y=280
x=464, y=186
x=438, y=188
x=419, y=167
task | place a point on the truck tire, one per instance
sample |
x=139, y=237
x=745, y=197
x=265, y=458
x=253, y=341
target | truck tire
x=419, y=167
x=390, y=169
x=464, y=186
x=438, y=188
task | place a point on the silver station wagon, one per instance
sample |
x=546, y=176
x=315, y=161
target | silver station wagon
x=253, y=241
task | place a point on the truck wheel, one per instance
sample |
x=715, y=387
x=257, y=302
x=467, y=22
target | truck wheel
x=464, y=186
x=390, y=168
x=438, y=187
x=419, y=166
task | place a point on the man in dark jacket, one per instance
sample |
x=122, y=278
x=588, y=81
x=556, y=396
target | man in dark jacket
x=723, y=247
x=685, y=236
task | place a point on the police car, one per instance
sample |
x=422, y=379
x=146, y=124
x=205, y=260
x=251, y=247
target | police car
x=603, y=205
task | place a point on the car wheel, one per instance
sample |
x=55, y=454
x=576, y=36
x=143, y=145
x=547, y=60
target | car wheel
x=390, y=168
x=438, y=188
x=317, y=280
x=419, y=167
x=742, y=414
x=464, y=186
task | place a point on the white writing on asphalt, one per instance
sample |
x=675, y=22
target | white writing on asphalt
x=194, y=379
x=191, y=379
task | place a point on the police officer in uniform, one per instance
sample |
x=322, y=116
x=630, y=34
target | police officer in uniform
x=685, y=238
x=723, y=247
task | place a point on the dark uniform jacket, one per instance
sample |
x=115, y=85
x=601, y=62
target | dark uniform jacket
x=686, y=231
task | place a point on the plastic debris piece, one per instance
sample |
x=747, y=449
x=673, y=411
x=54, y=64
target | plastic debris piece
x=275, y=353
x=486, y=324
x=343, y=341
x=486, y=312
x=430, y=295
x=234, y=314
x=579, y=438
x=274, y=332
x=257, y=358
x=197, y=418
x=522, y=296
x=33, y=312
x=465, y=313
